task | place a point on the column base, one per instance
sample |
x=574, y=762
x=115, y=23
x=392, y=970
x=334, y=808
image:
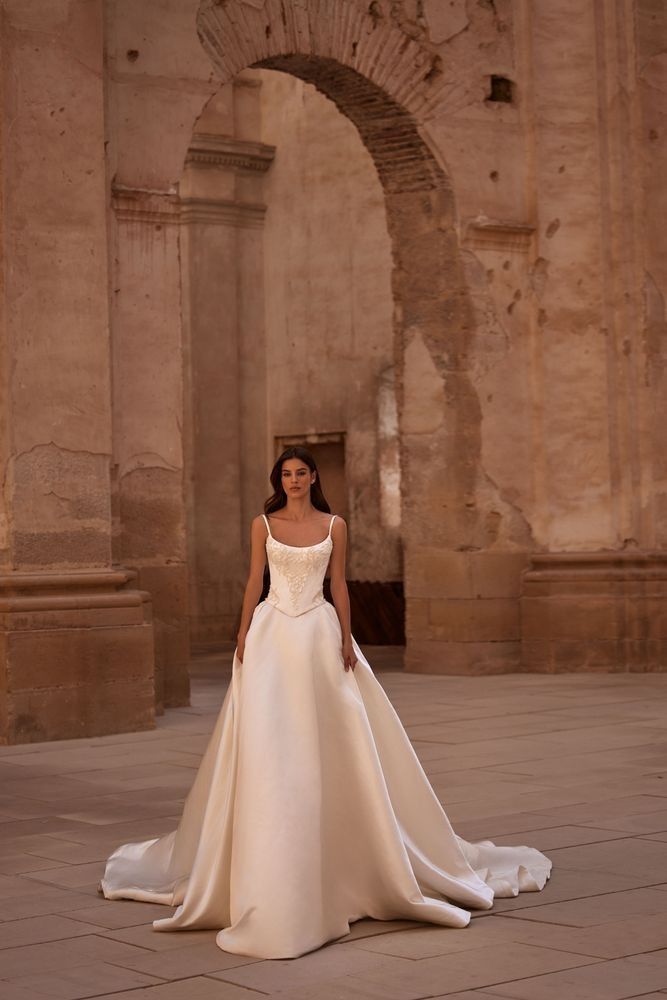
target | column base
x=77, y=654
x=587, y=611
x=168, y=589
x=462, y=658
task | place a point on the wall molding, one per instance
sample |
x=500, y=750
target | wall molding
x=493, y=234
x=134, y=205
x=214, y=211
x=223, y=153
x=548, y=567
x=144, y=205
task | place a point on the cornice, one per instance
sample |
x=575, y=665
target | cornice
x=492, y=234
x=244, y=215
x=220, y=152
x=605, y=565
x=157, y=208
x=143, y=205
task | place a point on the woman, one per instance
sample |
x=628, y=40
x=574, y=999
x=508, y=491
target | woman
x=310, y=808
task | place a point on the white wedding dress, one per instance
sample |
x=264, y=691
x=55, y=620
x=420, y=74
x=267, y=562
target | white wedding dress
x=310, y=809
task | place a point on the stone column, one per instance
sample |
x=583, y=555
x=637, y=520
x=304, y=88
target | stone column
x=148, y=420
x=75, y=633
x=222, y=216
x=596, y=598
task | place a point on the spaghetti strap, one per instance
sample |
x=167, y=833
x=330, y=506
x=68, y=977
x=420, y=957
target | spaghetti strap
x=331, y=525
x=266, y=521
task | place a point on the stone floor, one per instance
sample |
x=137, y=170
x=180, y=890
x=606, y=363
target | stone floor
x=574, y=765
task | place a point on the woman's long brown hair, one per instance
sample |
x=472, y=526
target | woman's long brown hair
x=278, y=498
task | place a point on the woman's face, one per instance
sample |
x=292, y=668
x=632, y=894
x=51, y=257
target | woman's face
x=296, y=477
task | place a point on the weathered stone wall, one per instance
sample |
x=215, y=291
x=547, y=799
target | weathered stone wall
x=288, y=326
x=528, y=281
x=647, y=156
x=520, y=403
x=75, y=637
x=328, y=301
x=157, y=84
x=221, y=196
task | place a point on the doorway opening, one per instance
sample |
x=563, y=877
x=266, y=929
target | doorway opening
x=288, y=330
x=388, y=84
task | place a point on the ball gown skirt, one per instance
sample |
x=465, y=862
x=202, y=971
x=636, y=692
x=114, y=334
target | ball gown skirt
x=310, y=808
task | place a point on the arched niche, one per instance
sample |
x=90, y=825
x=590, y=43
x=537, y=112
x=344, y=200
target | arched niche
x=388, y=84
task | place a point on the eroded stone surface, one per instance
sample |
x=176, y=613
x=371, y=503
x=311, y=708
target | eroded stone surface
x=517, y=299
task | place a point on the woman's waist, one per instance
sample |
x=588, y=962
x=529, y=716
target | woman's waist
x=294, y=609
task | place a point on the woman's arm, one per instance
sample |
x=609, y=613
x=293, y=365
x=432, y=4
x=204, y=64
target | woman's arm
x=253, y=589
x=339, y=591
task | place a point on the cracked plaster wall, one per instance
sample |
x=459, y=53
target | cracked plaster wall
x=566, y=352
x=55, y=336
x=651, y=128
x=543, y=400
x=329, y=322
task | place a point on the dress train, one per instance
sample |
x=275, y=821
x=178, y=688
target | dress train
x=310, y=808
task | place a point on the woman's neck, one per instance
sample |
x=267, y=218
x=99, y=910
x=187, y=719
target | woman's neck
x=298, y=509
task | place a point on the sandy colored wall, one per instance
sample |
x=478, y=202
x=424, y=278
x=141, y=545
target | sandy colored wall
x=76, y=640
x=288, y=328
x=528, y=284
x=328, y=300
x=157, y=85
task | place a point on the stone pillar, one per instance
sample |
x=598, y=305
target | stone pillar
x=597, y=598
x=463, y=568
x=148, y=420
x=222, y=216
x=76, y=637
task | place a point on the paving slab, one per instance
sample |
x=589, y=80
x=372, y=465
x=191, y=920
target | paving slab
x=478, y=967
x=21, y=864
x=587, y=911
x=619, y=979
x=431, y=941
x=192, y=988
x=49, y=900
x=330, y=962
x=82, y=981
x=37, y=930
x=192, y=958
x=639, y=934
x=561, y=836
x=52, y=956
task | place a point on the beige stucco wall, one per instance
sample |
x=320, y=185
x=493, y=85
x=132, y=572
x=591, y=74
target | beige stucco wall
x=55, y=335
x=288, y=330
x=328, y=301
x=531, y=393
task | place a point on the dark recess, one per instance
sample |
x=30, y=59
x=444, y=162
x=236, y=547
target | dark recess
x=501, y=90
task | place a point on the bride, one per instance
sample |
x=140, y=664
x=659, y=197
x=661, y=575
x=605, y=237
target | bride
x=310, y=809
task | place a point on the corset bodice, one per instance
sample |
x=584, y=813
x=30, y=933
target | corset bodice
x=297, y=574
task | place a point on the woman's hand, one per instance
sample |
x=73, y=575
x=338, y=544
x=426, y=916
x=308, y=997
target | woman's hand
x=349, y=657
x=240, y=648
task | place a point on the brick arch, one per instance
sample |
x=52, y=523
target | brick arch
x=242, y=33
x=387, y=83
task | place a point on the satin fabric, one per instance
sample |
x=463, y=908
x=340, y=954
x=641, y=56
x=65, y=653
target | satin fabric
x=310, y=808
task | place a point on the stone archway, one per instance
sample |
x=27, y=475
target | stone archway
x=388, y=84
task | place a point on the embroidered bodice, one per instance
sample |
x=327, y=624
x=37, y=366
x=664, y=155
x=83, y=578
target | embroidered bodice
x=297, y=573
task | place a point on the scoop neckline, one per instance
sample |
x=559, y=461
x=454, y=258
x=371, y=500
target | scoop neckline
x=285, y=545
